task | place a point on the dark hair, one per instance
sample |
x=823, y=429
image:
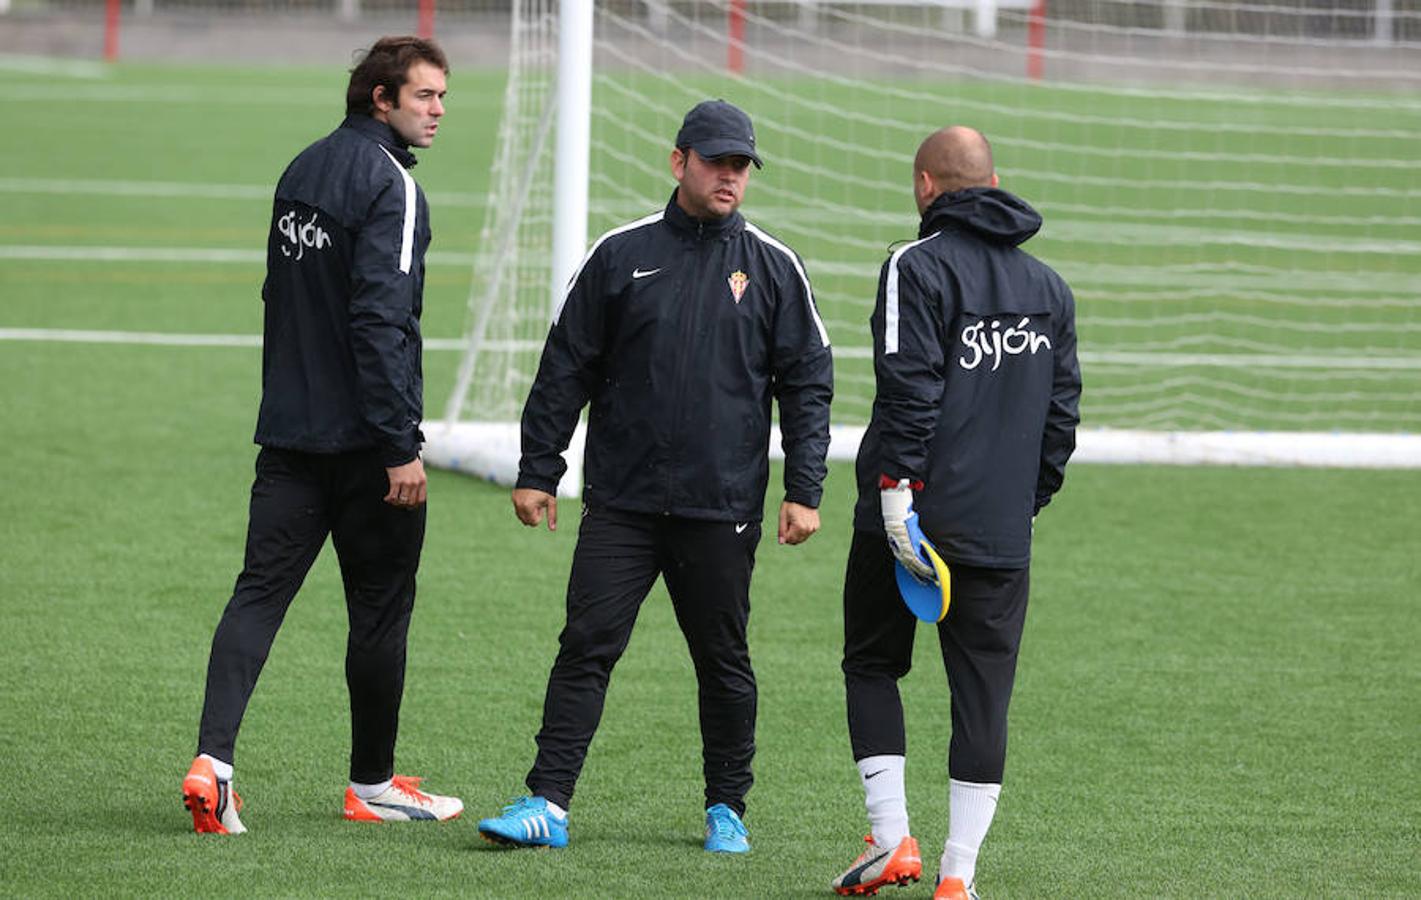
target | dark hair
x=387, y=65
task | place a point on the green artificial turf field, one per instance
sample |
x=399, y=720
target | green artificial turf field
x=1218, y=685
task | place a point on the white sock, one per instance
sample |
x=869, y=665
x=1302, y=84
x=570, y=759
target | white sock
x=887, y=801
x=223, y=770
x=370, y=791
x=971, y=807
x=556, y=810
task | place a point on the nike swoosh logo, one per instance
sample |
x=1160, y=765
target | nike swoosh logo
x=741, y=527
x=642, y=273
x=874, y=774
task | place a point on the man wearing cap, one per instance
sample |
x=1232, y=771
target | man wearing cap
x=677, y=331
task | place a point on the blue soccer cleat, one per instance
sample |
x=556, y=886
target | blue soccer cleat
x=725, y=833
x=526, y=822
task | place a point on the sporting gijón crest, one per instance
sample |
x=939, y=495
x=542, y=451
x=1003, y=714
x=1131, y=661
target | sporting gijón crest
x=739, y=281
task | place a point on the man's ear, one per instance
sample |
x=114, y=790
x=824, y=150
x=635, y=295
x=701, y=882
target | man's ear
x=923, y=184
x=995, y=180
x=379, y=98
x=678, y=163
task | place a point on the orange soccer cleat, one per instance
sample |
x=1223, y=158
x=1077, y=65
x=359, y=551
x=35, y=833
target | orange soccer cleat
x=951, y=888
x=402, y=801
x=877, y=867
x=213, y=804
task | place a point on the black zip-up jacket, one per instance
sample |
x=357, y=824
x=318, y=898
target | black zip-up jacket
x=974, y=350
x=679, y=332
x=344, y=291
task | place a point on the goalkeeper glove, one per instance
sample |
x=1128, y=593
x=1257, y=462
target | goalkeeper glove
x=896, y=503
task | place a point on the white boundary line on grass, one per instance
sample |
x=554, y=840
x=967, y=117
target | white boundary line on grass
x=165, y=339
x=46, y=65
x=1143, y=360
x=1066, y=230
x=183, y=190
x=328, y=102
x=88, y=187
x=219, y=255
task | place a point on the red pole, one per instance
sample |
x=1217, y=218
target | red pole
x=426, y=19
x=735, y=47
x=111, y=30
x=1035, y=40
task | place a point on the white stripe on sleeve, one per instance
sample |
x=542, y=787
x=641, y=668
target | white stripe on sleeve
x=567, y=289
x=890, y=297
x=794, y=260
x=407, y=229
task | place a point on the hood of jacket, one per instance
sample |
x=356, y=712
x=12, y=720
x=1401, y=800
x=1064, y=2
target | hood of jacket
x=993, y=213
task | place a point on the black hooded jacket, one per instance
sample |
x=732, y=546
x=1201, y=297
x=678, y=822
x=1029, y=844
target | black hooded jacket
x=344, y=290
x=678, y=333
x=974, y=348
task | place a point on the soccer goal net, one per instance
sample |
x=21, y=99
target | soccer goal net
x=1232, y=190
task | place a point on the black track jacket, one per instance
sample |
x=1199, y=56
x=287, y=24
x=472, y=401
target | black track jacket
x=678, y=332
x=344, y=291
x=974, y=350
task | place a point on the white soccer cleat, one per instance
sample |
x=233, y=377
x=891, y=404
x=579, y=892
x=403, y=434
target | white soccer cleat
x=402, y=801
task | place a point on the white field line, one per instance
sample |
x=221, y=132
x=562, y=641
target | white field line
x=1115, y=276
x=88, y=187
x=330, y=104
x=166, y=339
x=1066, y=231
x=1248, y=361
x=1085, y=280
x=218, y=255
x=1140, y=360
x=44, y=65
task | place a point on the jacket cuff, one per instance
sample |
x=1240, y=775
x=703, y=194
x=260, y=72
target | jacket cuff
x=537, y=483
x=406, y=451
x=392, y=457
x=804, y=498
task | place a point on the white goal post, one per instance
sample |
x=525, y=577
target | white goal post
x=533, y=232
x=1231, y=189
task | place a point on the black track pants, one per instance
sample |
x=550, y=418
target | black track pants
x=297, y=500
x=979, y=637
x=707, y=567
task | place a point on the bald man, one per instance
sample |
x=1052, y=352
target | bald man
x=974, y=350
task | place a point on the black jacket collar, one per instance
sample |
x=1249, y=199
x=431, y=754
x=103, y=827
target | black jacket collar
x=703, y=229
x=382, y=134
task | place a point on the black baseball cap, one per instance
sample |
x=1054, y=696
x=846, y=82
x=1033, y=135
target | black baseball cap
x=715, y=128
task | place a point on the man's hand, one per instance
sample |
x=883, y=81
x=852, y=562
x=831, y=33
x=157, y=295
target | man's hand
x=896, y=504
x=797, y=522
x=408, y=486
x=529, y=503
